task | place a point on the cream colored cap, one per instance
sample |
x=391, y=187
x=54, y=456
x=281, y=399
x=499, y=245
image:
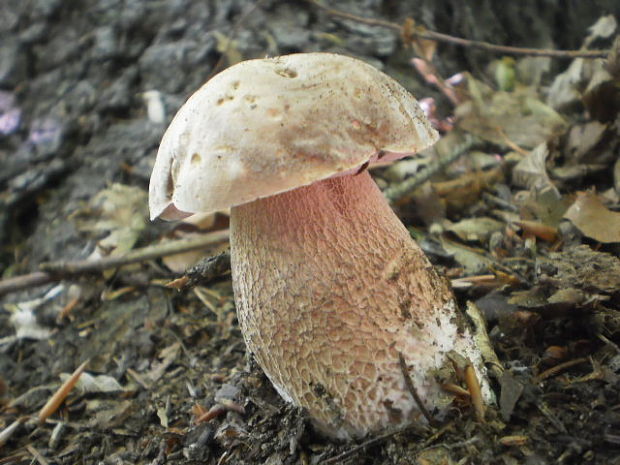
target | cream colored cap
x=267, y=126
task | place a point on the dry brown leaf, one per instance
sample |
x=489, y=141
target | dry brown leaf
x=516, y=119
x=593, y=219
x=531, y=171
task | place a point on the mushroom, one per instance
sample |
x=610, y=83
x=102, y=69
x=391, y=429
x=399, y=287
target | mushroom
x=330, y=289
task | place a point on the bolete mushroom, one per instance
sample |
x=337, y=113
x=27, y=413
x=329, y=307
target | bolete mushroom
x=330, y=288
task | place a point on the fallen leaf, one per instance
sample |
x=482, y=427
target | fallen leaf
x=531, y=171
x=121, y=212
x=473, y=262
x=475, y=229
x=604, y=28
x=508, y=119
x=565, y=91
x=582, y=138
x=89, y=383
x=547, y=206
x=593, y=219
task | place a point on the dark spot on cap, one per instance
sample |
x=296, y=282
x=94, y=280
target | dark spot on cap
x=226, y=98
x=286, y=72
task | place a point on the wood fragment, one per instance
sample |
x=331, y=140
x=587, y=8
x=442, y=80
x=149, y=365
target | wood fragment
x=37, y=455
x=399, y=192
x=514, y=440
x=61, y=394
x=15, y=458
x=67, y=309
x=7, y=432
x=209, y=269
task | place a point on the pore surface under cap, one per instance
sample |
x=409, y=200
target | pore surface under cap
x=266, y=126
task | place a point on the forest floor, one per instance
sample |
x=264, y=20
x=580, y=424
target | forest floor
x=518, y=204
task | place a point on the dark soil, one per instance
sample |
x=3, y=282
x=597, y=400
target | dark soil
x=74, y=123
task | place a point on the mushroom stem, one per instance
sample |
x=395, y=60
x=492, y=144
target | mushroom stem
x=330, y=288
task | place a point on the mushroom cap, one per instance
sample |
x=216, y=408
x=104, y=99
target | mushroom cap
x=262, y=127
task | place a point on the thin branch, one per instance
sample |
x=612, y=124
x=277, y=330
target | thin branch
x=423, y=33
x=413, y=392
x=38, y=456
x=401, y=190
x=368, y=443
x=58, y=271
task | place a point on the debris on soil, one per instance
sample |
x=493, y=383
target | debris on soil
x=518, y=204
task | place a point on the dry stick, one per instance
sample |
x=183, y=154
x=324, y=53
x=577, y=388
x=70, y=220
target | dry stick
x=15, y=458
x=138, y=255
x=399, y=191
x=60, y=270
x=37, y=455
x=7, y=432
x=370, y=442
x=424, y=33
x=413, y=392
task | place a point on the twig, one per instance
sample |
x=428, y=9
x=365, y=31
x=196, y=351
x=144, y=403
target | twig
x=15, y=458
x=371, y=442
x=608, y=342
x=7, y=432
x=138, y=255
x=58, y=271
x=38, y=278
x=413, y=392
x=424, y=33
x=549, y=415
x=401, y=190
x=37, y=455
